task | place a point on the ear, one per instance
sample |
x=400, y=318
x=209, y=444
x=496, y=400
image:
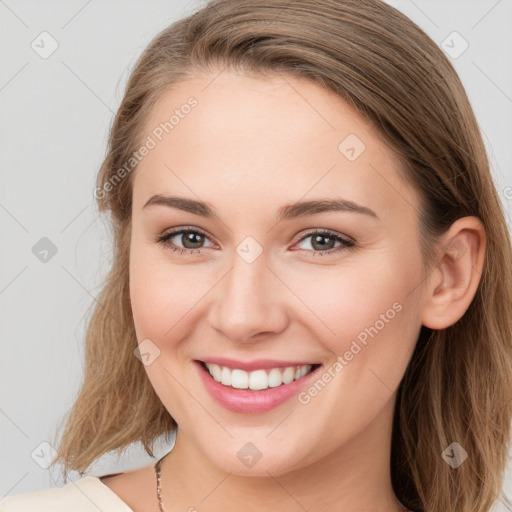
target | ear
x=453, y=283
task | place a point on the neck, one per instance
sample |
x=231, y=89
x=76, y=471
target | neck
x=352, y=478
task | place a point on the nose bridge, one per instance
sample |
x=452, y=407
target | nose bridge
x=248, y=302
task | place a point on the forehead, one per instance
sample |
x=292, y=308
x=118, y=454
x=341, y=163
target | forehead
x=263, y=138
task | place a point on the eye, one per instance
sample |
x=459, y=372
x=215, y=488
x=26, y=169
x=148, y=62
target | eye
x=325, y=240
x=192, y=240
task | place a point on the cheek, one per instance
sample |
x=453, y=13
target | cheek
x=160, y=300
x=160, y=294
x=352, y=303
x=369, y=322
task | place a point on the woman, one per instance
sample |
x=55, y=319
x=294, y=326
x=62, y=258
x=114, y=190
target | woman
x=311, y=266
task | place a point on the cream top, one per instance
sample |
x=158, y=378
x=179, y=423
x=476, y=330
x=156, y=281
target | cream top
x=89, y=494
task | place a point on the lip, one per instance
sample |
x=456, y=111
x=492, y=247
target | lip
x=248, y=401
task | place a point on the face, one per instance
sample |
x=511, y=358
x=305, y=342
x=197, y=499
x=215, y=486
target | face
x=230, y=273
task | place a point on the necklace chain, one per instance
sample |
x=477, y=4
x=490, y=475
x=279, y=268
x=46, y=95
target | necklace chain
x=158, y=470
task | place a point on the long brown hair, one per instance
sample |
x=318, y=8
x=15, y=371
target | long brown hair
x=458, y=384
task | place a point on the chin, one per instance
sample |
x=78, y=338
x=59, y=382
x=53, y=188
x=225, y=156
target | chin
x=246, y=459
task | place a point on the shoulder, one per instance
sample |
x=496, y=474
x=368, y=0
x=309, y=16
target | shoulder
x=88, y=494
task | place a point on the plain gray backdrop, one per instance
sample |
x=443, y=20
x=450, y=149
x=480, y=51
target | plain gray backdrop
x=64, y=67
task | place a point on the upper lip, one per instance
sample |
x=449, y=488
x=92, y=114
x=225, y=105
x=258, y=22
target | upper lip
x=255, y=364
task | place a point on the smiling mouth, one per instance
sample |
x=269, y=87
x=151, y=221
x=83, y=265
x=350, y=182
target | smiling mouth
x=257, y=380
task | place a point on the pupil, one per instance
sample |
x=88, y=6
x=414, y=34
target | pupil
x=317, y=238
x=190, y=238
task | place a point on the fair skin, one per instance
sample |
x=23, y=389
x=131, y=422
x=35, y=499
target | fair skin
x=252, y=145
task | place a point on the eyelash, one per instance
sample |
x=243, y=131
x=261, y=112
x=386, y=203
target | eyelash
x=346, y=242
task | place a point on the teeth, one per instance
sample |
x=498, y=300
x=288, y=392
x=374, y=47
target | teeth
x=257, y=379
x=239, y=379
x=275, y=378
x=225, y=376
x=288, y=375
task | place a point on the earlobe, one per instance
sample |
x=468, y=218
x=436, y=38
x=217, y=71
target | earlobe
x=455, y=280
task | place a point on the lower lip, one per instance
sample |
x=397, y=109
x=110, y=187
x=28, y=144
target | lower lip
x=248, y=401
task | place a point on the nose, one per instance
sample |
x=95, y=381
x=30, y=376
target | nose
x=250, y=302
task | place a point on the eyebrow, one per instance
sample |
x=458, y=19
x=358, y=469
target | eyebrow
x=286, y=212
